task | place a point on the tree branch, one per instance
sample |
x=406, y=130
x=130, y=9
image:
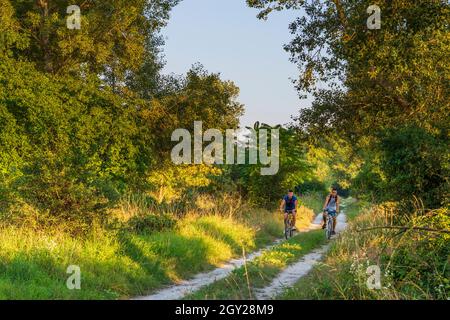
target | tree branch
x=388, y=88
x=341, y=13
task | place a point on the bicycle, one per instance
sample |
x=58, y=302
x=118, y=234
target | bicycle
x=329, y=226
x=289, y=225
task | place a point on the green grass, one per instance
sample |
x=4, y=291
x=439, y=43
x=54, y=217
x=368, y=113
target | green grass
x=262, y=270
x=122, y=264
x=314, y=201
x=115, y=265
x=353, y=208
x=413, y=264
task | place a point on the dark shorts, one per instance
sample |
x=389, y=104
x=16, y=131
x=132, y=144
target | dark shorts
x=331, y=213
x=289, y=211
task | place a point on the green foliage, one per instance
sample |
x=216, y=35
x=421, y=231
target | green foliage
x=65, y=143
x=378, y=81
x=293, y=170
x=112, y=39
x=312, y=186
x=335, y=163
x=198, y=96
x=10, y=37
x=86, y=117
x=414, y=264
x=415, y=162
x=71, y=147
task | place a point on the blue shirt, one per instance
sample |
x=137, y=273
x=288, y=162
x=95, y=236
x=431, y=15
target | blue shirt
x=290, y=203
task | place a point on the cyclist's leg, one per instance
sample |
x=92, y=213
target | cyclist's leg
x=294, y=218
x=286, y=216
x=324, y=216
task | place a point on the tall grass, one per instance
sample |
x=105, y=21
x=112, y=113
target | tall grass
x=119, y=259
x=414, y=264
x=262, y=270
x=138, y=247
x=313, y=201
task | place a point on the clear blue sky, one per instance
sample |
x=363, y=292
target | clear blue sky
x=225, y=36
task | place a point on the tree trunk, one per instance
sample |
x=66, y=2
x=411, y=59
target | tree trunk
x=44, y=35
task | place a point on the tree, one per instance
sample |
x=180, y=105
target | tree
x=378, y=80
x=67, y=147
x=293, y=170
x=114, y=38
x=198, y=96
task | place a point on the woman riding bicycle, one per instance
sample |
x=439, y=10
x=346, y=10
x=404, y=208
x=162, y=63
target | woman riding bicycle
x=331, y=207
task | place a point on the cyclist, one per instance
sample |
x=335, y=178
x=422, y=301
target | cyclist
x=288, y=205
x=331, y=207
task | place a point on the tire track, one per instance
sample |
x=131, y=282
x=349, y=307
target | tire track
x=293, y=273
x=185, y=287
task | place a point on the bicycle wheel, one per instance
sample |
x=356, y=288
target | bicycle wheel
x=329, y=228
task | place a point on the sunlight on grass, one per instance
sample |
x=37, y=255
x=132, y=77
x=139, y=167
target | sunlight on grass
x=117, y=264
x=262, y=269
x=414, y=264
x=125, y=263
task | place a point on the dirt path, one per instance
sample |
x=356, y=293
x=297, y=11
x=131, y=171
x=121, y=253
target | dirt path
x=186, y=287
x=289, y=276
x=180, y=290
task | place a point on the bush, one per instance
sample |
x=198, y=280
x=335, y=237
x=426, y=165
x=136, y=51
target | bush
x=415, y=162
x=67, y=147
x=422, y=260
x=146, y=224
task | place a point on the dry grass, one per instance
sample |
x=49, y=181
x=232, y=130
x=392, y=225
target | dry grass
x=117, y=261
x=414, y=264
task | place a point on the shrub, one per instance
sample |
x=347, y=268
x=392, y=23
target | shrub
x=67, y=147
x=145, y=224
x=416, y=162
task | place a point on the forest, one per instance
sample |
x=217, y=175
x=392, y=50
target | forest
x=87, y=178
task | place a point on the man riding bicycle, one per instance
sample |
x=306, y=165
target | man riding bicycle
x=331, y=208
x=289, y=205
